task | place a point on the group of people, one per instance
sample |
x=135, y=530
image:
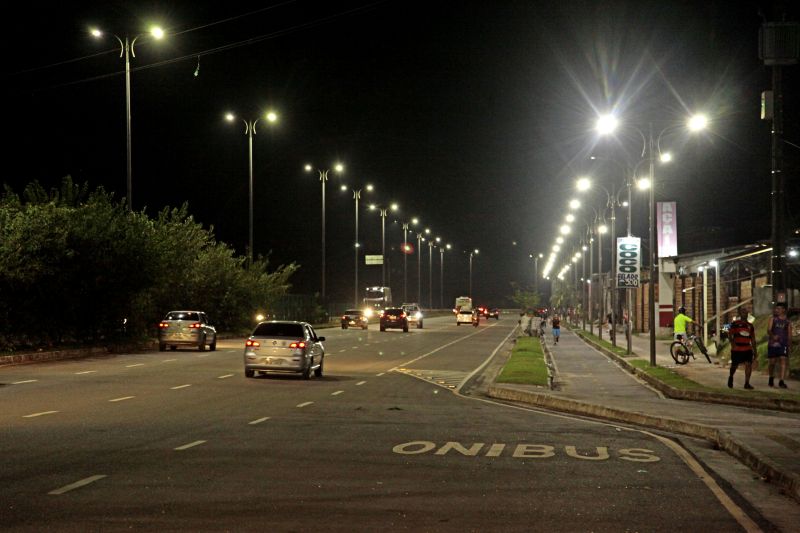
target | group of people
x=742, y=337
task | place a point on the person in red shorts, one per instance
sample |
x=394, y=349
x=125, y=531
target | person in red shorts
x=743, y=347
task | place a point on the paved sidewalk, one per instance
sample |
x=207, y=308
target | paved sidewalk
x=592, y=384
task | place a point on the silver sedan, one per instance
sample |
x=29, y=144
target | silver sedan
x=284, y=346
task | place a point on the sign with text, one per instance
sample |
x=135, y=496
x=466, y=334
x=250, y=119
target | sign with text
x=629, y=253
x=373, y=259
x=667, y=218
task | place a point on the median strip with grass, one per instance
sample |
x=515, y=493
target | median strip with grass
x=526, y=365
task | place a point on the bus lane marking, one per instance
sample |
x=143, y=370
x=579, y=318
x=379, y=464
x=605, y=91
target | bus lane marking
x=43, y=413
x=524, y=451
x=190, y=445
x=76, y=485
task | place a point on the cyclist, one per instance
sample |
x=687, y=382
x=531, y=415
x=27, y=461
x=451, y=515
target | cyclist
x=680, y=322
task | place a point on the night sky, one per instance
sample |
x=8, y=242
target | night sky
x=475, y=117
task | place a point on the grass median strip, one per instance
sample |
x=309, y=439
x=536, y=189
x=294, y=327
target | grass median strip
x=526, y=365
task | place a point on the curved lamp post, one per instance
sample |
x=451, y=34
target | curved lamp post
x=383, y=212
x=126, y=51
x=323, y=178
x=250, y=130
x=356, y=245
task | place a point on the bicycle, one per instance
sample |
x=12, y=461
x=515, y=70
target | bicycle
x=681, y=350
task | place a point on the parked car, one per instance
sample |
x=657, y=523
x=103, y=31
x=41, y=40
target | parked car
x=186, y=328
x=394, y=317
x=355, y=318
x=463, y=317
x=414, y=314
x=494, y=312
x=284, y=346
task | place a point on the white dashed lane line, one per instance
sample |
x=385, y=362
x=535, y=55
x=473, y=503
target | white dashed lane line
x=225, y=376
x=168, y=360
x=258, y=421
x=122, y=399
x=137, y=364
x=337, y=393
x=181, y=386
x=340, y=351
x=85, y=372
x=190, y=445
x=304, y=404
x=360, y=383
x=34, y=415
x=379, y=375
x=76, y=485
x=25, y=381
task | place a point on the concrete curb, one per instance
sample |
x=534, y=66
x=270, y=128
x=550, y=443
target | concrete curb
x=776, y=404
x=788, y=482
x=77, y=353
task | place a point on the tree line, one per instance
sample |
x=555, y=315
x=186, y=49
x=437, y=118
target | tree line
x=76, y=267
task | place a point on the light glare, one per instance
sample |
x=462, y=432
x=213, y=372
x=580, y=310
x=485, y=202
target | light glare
x=606, y=124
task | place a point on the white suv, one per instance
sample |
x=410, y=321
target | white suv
x=414, y=314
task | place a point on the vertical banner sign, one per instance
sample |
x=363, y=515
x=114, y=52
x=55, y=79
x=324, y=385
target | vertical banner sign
x=667, y=229
x=629, y=253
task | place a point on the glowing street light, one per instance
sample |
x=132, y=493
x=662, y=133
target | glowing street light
x=583, y=184
x=250, y=130
x=606, y=124
x=126, y=51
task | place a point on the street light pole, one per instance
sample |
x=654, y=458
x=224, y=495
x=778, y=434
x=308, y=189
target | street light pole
x=474, y=252
x=405, y=261
x=356, y=197
x=126, y=51
x=600, y=280
x=323, y=178
x=419, y=268
x=651, y=287
x=250, y=130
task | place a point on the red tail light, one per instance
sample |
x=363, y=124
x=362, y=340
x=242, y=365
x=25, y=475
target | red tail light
x=254, y=344
x=402, y=315
x=195, y=325
x=163, y=325
x=344, y=317
x=300, y=344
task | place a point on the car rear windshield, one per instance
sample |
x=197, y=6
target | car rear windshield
x=278, y=329
x=180, y=315
x=352, y=312
x=393, y=311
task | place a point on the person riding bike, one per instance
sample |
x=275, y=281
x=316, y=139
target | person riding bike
x=680, y=322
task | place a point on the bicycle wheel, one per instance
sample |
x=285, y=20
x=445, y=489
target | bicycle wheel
x=679, y=353
x=702, y=347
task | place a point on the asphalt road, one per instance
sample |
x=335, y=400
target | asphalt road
x=183, y=441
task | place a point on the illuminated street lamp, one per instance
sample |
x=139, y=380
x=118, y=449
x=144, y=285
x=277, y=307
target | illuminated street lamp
x=473, y=252
x=250, y=130
x=126, y=51
x=356, y=245
x=441, y=273
x=651, y=147
x=323, y=178
x=383, y=212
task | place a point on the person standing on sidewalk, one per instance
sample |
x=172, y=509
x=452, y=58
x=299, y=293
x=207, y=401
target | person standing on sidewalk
x=679, y=323
x=556, y=323
x=779, y=344
x=743, y=347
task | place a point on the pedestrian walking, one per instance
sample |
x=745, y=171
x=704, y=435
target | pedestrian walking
x=556, y=324
x=779, y=344
x=743, y=347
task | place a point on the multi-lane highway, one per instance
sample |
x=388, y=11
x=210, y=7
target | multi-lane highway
x=384, y=440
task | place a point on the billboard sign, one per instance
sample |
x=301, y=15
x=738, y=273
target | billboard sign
x=629, y=260
x=667, y=218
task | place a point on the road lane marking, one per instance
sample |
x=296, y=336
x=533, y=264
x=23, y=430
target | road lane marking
x=337, y=393
x=340, y=351
x=442, y=347
x=258, y=421
x=354, y=347
x=122, y=399
x=360, y=383
x=168, y=360
x=204, y=355
x=85, y=372
x=25, y=381
x=76, y=485
x=137, y=364
x=304, y=404
x=379, y=375
x=180, y=387
x=190, y=445
x=34, y=415
x=225, y=376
